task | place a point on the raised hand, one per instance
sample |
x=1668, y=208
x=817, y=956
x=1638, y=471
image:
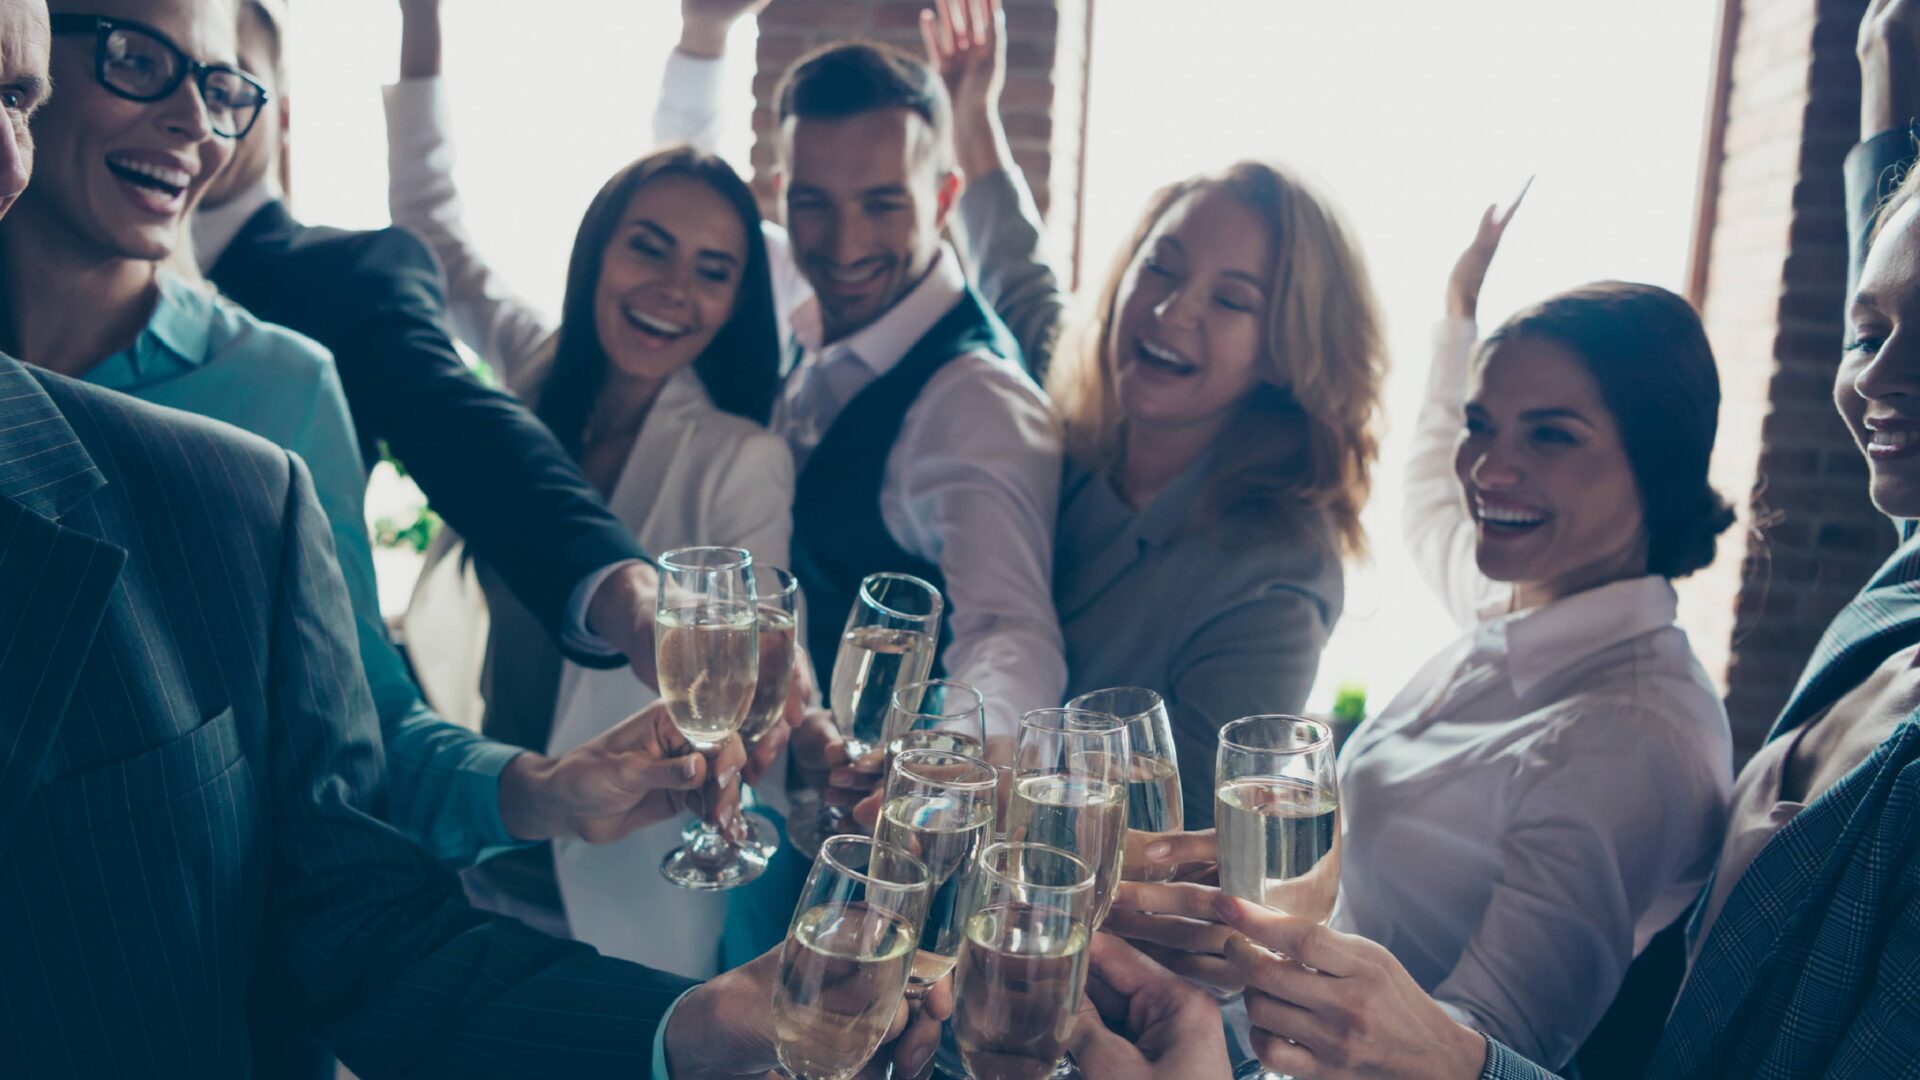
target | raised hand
x=704, y=24
x=1470, y=270
x=966, y=44
x=639, y=772
x=419, y=39
x=1889, y=50
x=1336, y=1006
x=1143, y=1022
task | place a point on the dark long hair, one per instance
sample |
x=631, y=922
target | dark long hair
x=1649, y=354
x=740, y=368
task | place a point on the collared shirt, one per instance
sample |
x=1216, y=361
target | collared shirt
x=203, y=355
x=1541, y=798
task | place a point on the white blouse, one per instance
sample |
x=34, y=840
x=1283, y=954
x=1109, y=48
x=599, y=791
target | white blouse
x=1545, y=795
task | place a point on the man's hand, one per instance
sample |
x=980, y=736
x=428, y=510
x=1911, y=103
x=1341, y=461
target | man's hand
x=1338, y=1007
x=621, y=611
x=724, y=1028
x=966, y=44
x=1143, y=1022
x=1470, y=269
x=639, y=772
x=704, y=24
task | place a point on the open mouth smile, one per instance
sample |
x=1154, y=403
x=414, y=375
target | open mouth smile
x=1162, y=359
x=157, y=187
x=653, y=327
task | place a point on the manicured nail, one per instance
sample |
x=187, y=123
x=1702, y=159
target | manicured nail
x=1227, y=907
x=1159, y=849
x=687, y=768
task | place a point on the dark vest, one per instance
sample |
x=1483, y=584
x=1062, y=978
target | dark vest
x=839, y=535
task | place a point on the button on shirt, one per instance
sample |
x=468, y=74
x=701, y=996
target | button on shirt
x=972, y=485
x=1543, y=796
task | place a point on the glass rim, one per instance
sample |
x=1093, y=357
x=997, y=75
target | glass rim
x=979, y=699
x=767, y=575
x=1096, y=723
x=866, y=596
x=828, y=854
x=907, y=758
x=1322, y=734
x=1083, y=881
x=680, y=560
x=1153, y=696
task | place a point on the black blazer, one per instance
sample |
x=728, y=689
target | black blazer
x=192, y=872
x=487, y=465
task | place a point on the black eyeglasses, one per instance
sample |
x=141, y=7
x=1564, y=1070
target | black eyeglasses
x=140, y=63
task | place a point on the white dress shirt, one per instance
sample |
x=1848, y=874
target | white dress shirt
x=1544, y=796
x=972, y=484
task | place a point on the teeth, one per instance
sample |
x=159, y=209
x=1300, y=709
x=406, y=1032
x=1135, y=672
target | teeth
x=658, y=326
x=854, y=276
x=1510, y=517
x=1164, y=355
x=1896, y=439
x=170, y=177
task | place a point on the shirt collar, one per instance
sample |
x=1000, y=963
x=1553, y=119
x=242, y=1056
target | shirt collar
x=214, y=228
x=1543, y=641
x=886, y=341
x=177, y=334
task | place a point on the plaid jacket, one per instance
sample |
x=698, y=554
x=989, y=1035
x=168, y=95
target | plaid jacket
x=1813, y=967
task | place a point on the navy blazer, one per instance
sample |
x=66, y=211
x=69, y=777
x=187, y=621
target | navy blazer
x=192, y=869
x=488, y=466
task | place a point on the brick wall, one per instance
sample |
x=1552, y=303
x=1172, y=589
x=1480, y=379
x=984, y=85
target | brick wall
x=1772, y=273
x=1043, y=105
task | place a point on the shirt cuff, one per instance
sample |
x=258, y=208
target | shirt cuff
x=414, y=104
x=485, y=763
x=693, y=80
x=660, y=1038
x=575, y=635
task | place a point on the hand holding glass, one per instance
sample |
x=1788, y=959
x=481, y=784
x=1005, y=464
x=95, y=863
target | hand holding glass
x=1153, y=772
x=1070, y=792
x=939, y=808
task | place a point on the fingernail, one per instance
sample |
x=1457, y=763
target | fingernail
x=1159, y=849
x=921, y=1059
x=686, y=769
x=1227, y=907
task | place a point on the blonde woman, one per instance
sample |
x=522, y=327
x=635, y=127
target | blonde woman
x=1219, y=410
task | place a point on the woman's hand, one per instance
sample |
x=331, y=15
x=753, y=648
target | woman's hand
x=1143, y=1022
x=1334, y=1006
x=1889, y=49
x=966, y=44
x=419, y=39
x=1175, y=923
x=704, y=24
x=1470, y=269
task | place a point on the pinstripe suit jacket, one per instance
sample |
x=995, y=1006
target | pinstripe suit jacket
x=190, y=869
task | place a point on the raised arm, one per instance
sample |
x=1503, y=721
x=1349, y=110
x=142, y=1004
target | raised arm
x=1889, y=52
x=1435, y=525
x=503, y=329
x=689, y=109
x=966, y=43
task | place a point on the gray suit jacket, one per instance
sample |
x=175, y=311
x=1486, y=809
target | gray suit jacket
x=192, y=877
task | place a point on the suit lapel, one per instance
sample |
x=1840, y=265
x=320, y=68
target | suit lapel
x=54, y=581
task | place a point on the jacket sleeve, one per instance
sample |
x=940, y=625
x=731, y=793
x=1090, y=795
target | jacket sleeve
x=365, y=938
x=1011, y=267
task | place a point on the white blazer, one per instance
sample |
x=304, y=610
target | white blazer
x=696, y=475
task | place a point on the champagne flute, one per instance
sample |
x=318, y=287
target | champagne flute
x=939, y=808
x=889, y=642
x=1276, y=808
x=1023, y=962
x=708, y=653
x=1153, y=771
x=843, y=967
x=776, y=595
x=938, y=714
x=1070, y=791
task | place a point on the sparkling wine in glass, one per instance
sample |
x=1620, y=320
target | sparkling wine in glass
x=939, y=807
x=1277, y=812
x=843, y=967
x=1023, y=962
x=776, y=596
x=1153, y=771
x=892, y=632
x=707, y=651
x=1070, y=792
x=938, y=714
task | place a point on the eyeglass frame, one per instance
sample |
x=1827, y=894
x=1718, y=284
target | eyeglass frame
x=102, y=27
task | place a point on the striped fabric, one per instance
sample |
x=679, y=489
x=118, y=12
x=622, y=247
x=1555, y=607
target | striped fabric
x=190, y=876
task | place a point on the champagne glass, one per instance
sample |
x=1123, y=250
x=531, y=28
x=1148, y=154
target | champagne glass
x=1023, y=962
x=1276, y=808
x=776, y=596
x=938, y=714
x=843, y=967
x=889, y=642
x=1070, y=792
x=939, y=808
x=707, y=651
x=1153, y=772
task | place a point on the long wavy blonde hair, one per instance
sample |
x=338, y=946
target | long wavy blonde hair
x=1307, y=433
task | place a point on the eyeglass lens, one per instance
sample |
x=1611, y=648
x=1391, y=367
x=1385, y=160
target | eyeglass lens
x=142, y=66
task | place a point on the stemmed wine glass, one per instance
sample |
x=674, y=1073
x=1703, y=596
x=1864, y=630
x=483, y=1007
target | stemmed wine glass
x=938, y=714
x=776, y=596
x=939, y=808
x=708, y=655
x=843, y=967
x=1070, y=792
x=1023, y=961
x=1276, y=809
x=889, y=642
x=1153, y=771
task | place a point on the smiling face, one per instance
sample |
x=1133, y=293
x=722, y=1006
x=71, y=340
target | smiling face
x=668, y=278
x=257, y=155
x=24, y=86
x=1546, y=476
x=117, y=177
x=1190, y=329
x=1877, y=388
x=866, y=198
